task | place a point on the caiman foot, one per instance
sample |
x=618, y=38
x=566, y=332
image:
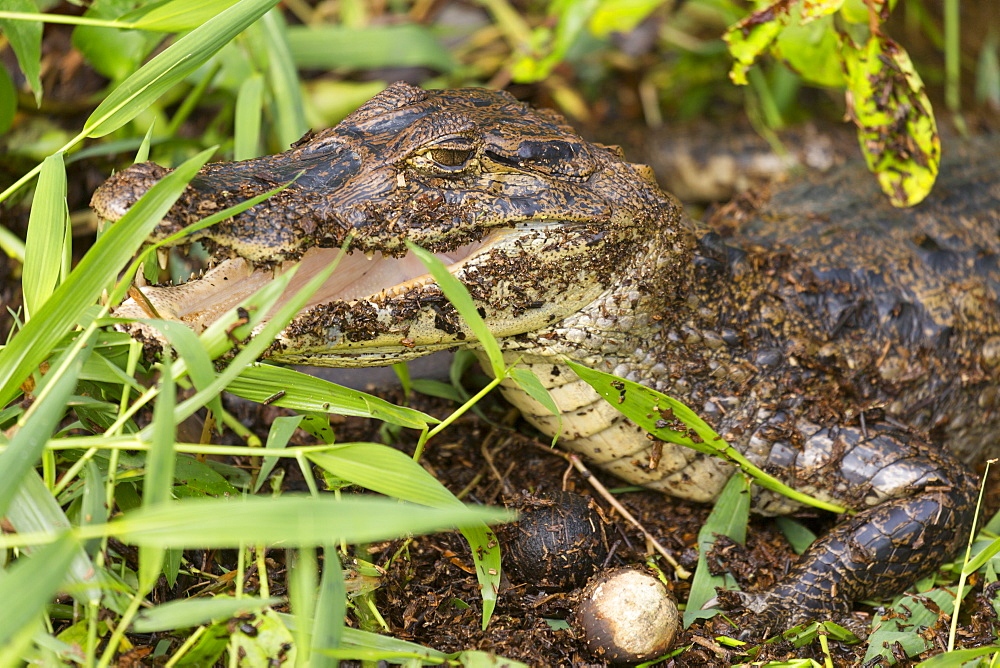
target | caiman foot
x=877, y=553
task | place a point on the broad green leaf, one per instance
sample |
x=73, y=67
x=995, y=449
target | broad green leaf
x=95, y=271
x=289, y=520
x=43, y=244
x=271, y=638
x=185, y=613
x=170, y=67
x=811, y=10
x=812, y=49
x=896, y=126
x=909, y=614
x=25, y=39
x=797, y=535
x=281, y=386
x=748, y=38
x=460, y=298
x=31, y=583
x=728, y=518
x=340, y=47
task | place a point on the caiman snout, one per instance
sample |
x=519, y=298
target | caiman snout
x=117, y=195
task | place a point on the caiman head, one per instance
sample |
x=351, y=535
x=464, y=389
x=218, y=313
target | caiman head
x=535, y=221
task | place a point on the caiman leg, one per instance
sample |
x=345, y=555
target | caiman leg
x=914, y=500
x=915, y=507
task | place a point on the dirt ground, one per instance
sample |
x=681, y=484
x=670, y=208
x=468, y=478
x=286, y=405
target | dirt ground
x=430, y=596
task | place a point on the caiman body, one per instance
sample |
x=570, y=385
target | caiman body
x=846, y=347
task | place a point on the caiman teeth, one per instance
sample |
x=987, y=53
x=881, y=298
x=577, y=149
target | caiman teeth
x=370, y=255
x=163, y=256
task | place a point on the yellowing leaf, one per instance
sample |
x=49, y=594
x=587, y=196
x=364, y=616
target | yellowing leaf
x=896, y=127
x=748, y=38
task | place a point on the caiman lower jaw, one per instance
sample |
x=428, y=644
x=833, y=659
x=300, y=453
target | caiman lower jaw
x=201, y=301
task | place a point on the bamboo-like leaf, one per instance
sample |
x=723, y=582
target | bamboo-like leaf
x=289, y=520
x=281, y=386
x=25, y=39
x=28, y=443
x=249, y=105
x=98, y=268
x=390, y=472
x=43, y=245
x=643, y=406
x=277, y=439
x=331, y=606
x=29, y=585
x=159, y=479
x=170, y=67
x=283, y=80
x=185, y=613
x=728, y=518
x=385, y=470
x=459, y=296
x=177, y=15
x=368, y=48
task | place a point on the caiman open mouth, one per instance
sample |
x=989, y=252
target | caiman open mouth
x=358, y=276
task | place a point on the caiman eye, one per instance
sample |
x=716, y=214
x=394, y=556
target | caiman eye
x=450, y=157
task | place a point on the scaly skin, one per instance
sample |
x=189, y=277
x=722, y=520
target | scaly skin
x=844, y=346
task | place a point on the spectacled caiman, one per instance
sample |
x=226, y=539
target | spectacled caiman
x=846, y=347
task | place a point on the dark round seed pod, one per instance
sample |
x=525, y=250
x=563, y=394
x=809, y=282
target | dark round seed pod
x=558, y=542
x=626, y=616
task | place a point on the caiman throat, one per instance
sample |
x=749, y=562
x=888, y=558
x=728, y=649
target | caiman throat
x=848, y=348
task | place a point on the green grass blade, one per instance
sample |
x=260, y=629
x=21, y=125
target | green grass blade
x=159, y=479
x=277, y=439
x=299, y=391
x=171, y=66
x=283, y=81
x=31, y=583
x=26, y=447
x=249, y=104
x=95, y=271
x=388, y=471
x=292, y=521
x=459, y=296
x=43, y=245
x=405, y=45
x=178, y=15
x=186, y=613
x=385, y=470
x=331, y=606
